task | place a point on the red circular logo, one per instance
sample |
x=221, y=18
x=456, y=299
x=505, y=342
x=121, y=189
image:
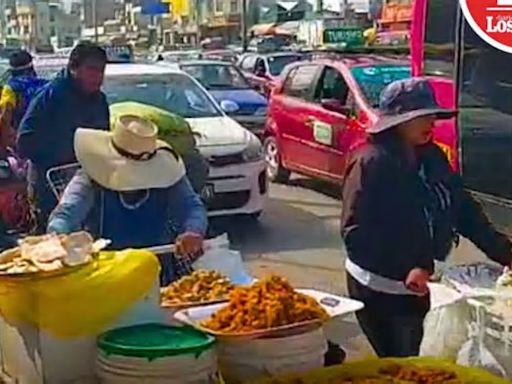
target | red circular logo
x=491, y=20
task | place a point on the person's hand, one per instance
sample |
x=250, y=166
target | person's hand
x=417, y=281
x=189, y=244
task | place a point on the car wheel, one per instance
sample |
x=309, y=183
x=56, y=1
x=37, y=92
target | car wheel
x=275, y=170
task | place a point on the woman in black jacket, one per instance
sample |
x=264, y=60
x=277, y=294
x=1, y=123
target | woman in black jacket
x=403, y=207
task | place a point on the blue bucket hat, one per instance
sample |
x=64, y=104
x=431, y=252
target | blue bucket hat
x=406, y=100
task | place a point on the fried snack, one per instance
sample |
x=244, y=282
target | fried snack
x=399, y=374
x=268, y=303
x=199, y=287
x=47, y=253
x=391, y=374
x=419, y=375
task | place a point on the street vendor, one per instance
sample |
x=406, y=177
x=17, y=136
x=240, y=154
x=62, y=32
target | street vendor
x=130, y=187
x=403, y=207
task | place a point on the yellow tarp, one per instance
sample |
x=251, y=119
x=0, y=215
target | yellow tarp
x=83, y=302
x=369, y=367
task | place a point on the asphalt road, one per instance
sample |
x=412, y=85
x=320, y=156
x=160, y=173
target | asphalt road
x=298, y=237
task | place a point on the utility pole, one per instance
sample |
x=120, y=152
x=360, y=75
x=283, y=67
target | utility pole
x=243, y=21
x=95, y=19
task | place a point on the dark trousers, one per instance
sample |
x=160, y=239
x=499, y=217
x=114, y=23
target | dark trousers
x=392, y=323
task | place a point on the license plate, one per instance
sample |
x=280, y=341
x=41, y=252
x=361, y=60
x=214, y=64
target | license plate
x=208, y=192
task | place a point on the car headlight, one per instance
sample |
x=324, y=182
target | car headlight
x=262, y=111
x=254, y=150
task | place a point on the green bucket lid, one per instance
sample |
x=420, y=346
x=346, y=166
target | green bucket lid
x=154, y=341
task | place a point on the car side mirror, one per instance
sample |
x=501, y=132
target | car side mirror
x=229, y=106
x=334, y=105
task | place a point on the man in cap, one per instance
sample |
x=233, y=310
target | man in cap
x=131, y=186
x=74, y=99
x=16, y=96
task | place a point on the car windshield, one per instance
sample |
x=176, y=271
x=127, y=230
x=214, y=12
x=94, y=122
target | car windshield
x=217, y=77
x=176, y=93
x=373, y=79
x=276, y=64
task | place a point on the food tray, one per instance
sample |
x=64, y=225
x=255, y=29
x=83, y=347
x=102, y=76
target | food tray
x=362, y=368
x=247, y=280
x=179, y=306
x=334, y=306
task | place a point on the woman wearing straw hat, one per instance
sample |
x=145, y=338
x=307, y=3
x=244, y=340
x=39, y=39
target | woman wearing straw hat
x=130, y=187
x=403, y=207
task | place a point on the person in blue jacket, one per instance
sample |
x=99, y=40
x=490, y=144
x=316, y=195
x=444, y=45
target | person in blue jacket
x=16, y=95
x=130, y=187
x=74, y=99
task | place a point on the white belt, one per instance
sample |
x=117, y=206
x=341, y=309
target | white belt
x=376, y=282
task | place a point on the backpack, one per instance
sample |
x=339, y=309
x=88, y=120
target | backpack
x=25, y=89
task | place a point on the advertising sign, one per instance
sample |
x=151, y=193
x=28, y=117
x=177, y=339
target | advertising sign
x=491, y=20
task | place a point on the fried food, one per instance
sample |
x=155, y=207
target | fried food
x=199, y=287
x=268, y=303
x=392, y=374
x=47, y=253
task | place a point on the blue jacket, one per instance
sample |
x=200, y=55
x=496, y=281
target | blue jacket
x=184, y=209
x=25, y=88
x=46, y=132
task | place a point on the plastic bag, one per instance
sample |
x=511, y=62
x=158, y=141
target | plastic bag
x=474, y=353
x=172, y=128
x=83, y=302
x=219, y=257
x=472, y=279
x=445, y=330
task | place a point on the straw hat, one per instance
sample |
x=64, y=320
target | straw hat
x=129, y=158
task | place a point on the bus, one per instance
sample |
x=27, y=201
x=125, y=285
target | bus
x=469, y=74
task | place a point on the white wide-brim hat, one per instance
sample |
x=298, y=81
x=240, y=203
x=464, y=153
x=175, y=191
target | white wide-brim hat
x=129, y=158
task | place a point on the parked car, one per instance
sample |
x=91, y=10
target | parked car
x=4, y=72
x=228, y=85
x=177, y=56
x=263, y=70
x=319, y=112
x=237, y=182
x=220, y=54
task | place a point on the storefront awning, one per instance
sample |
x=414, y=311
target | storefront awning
x=263, y=29
x=287, y=28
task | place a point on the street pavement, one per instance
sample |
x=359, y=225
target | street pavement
x=298, y=237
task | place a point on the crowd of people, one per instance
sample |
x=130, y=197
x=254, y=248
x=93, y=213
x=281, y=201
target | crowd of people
x=403, y=206
x=129, y=186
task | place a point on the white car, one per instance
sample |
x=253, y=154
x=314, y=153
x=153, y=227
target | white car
x=237, y=183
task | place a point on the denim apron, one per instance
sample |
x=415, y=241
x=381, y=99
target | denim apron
x=139, y=224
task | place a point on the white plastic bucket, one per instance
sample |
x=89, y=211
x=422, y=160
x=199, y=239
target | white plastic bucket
x=154, y=354
x=250, y=359
x=184, y=369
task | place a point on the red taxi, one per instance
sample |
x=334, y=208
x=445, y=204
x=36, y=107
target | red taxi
x=319, y=112
x=263, y=69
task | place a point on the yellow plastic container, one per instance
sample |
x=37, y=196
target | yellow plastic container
x=369, y=367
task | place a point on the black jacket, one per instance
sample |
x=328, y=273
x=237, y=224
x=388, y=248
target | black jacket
x=394, y=220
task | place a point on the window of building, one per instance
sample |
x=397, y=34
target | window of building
x=218, y=6
x=234, y=6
